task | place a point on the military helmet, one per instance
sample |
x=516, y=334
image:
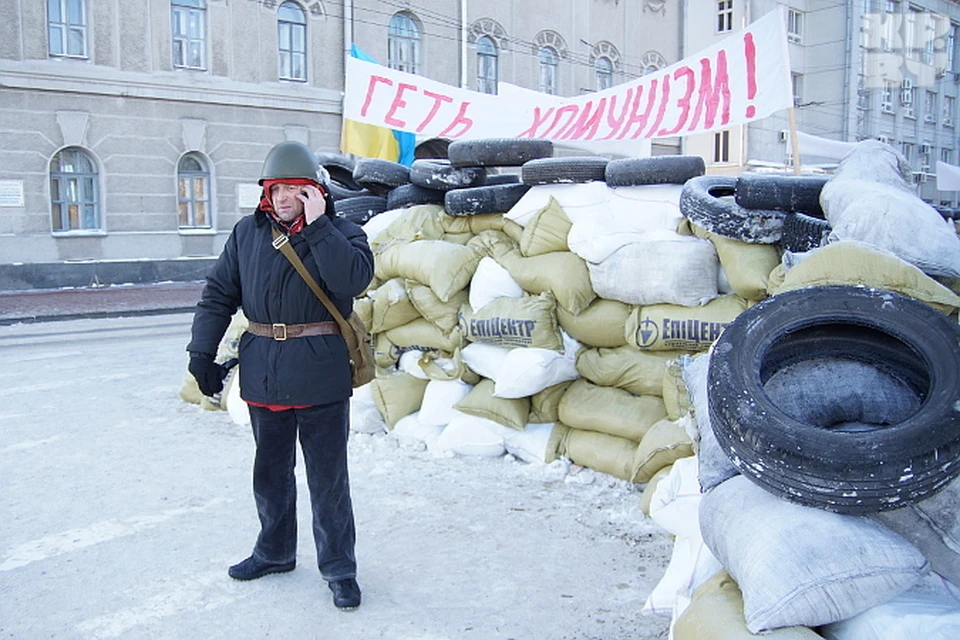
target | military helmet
x=292, y=159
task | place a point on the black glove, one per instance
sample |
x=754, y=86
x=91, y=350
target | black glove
x=208, y=373
x=331, y=210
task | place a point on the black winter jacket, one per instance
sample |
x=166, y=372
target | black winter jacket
x=252, y=275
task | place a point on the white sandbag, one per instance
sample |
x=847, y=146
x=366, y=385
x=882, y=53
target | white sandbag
x=595, y=238
x=484, y=359
x=364, y=415
x=930, y=611
x=410, y=363
x=491, y=281
x=714, y=465
x=381, y=221
x=410, y=428
x=532, y=444
x=646, y=207
x=663, y=267
x=676, y=502
x=526, y=371
x=575, y=199
x=801, y=566
x=472, y=436
x=869, y=199
x=438, y=400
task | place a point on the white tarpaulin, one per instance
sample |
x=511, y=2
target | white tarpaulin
x=948, y=177
x=811, y=145
x=744, y=77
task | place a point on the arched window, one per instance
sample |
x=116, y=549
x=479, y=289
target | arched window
x=604, y=73
x=548, y=70
x=67, y=28
x=403, y=44
x=189, y=34
x=74, y=191
x=292, y=41
x=193, y=192
x=487, y=65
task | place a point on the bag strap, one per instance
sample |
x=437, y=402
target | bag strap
x=282, y=243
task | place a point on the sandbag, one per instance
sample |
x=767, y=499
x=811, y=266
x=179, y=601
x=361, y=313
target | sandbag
x=484, y=359
x=716, y=612
x=480, y=402
x=397, y=395
x=664, y=443
x=664, y=327
x=439, y=399
x=391, y=306
x=747, y=266
x=363, y=307
x=546, y=231
x=601, y=324
x=472, y=436
x=423, y=335
x=576, y=199
x=530, y=370
x=491, y=281
x=600, y=452
x=420, y=222
x=802, y=566
x=443, y=266
x=587, y=407
x=530, y=321
x=663, y=267
x=537, y=442
x=674, y=391
x=859, y=264
x=647, y=494
x=639, y=372
x=432, y=308
x=545, y=406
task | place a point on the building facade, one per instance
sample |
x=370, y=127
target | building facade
x=134, y=130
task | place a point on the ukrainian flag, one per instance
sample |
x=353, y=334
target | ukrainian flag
x=369, y=141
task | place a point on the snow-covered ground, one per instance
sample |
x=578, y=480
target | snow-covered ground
x=123, y=506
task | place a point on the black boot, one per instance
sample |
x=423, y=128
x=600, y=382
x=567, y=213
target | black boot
x=346, y=594
x=251, y=569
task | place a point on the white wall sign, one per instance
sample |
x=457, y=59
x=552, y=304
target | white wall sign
x=11, y=193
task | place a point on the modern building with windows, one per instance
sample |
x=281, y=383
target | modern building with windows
x=134, y=130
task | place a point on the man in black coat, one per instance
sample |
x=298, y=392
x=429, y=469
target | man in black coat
x=295, y=371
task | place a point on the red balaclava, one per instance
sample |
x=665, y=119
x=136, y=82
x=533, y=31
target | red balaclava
x=266, y=205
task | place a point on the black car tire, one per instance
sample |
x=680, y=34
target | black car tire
x=706, y=201
x=379, y=176
x=630, y=172
x=340, y=168
x=803, y=233
x=490, y=199
x=501, y=178
x=782, y=193
x=497, y=152
x=850, y=471
x=407, y=195
x=568, y=170
x=360, y=209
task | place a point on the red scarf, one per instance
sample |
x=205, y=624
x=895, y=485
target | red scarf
x=266, y=205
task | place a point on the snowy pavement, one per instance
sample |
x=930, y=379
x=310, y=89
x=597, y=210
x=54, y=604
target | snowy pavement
x=124, y=505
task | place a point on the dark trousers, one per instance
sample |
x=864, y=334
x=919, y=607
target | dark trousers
x=323, y=439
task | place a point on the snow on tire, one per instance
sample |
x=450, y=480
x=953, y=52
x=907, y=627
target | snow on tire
x=629, y=172
x=497, y=152
x=490, y=199
x=706, y=201
x=855, y=466
x=783, y=193
x=568, y=170
x=443, y=176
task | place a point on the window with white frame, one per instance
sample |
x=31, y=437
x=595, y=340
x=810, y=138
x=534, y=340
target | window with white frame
x=907, y=150
x=890, y=38
x=193, y=192
x=724, y=16
x=794, y=26
x=548, y=70
x=924, y=157
x=604, y=68
x=67, y=28
x=721, y=146
x=292, y=42
x=947, y=105
x=487, y=65
x=911, y=36
x=74, y=191
x=929, y=106
x=886, y=97
x=796, y=80
x=189, y=34
x=951, y=47
x=946, y=155
x=403, y=44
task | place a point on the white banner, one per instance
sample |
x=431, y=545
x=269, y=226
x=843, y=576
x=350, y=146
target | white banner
x=948, y=177
x=744, y=77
